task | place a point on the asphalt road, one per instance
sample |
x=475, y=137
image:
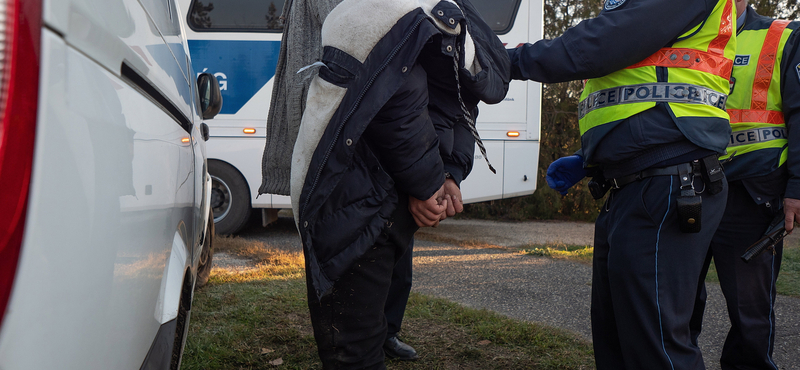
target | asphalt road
x=472, y=262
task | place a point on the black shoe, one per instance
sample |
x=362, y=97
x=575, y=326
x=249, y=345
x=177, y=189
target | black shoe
x=394, y=348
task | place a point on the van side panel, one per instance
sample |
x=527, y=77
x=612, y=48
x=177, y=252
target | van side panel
x=112, y=188
x=110, y=32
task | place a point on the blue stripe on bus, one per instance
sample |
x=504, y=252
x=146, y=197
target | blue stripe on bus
x=242, y=67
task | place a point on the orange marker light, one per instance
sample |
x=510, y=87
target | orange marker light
x=249, y=131
x=513, y=134
x=185, y=140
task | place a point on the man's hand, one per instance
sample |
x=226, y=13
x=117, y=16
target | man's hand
x=791, y=208
x=429, y=212
x=453, y=193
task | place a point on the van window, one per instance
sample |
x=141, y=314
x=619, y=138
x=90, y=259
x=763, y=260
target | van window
x=498, y=14
x=236, y=15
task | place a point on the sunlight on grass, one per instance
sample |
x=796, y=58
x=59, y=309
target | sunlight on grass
x=579, y=253
x=423, y=234
x=269, y=263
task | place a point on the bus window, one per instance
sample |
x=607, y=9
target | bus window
x=236, y=15
x=498, y=14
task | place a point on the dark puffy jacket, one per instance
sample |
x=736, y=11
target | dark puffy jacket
x=345, y=189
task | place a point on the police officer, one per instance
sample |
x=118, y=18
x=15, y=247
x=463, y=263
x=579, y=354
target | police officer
x=652, y=124
x=763, y=170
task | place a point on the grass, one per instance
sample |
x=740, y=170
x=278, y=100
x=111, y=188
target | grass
x=424, y=234
x=579, y=253
x=257, y=318
x=789, y=277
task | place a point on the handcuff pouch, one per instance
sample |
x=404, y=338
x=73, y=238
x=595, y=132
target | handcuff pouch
x=690, y=205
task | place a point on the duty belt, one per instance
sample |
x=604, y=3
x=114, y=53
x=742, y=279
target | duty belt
x=653, y=92
x=663, y=171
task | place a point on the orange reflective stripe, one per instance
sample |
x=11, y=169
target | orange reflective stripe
x=766, y=65
x=717, y=46
x=713, y=61
x=760, y=116
x=689, y=58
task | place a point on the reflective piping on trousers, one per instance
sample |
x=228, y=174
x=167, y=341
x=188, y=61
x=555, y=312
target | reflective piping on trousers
x=658, y=239
x=655, y=92
x=772, y=279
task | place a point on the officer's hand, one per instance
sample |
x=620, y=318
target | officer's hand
x=453, y=193
x=791, y=207
x=565, y=172
x=429, y=212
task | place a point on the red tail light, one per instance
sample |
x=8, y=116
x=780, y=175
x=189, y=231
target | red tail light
x=20, y=38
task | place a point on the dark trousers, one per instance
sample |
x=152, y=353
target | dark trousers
x=349, y=323
x=399, y=290
x=644, y=279
x=749, y=288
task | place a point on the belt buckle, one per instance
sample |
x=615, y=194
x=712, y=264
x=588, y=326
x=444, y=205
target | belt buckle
x=614, y=183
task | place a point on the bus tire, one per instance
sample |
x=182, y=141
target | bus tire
x=230, y=198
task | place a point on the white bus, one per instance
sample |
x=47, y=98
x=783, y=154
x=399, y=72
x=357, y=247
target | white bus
x=238, y=41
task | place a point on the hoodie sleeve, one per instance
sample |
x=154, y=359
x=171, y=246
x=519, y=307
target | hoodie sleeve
x=488, y=76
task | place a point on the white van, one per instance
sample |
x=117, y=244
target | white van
x=239, y=40
x=104, y=213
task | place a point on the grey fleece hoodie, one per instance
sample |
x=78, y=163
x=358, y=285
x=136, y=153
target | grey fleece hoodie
x=300, y=47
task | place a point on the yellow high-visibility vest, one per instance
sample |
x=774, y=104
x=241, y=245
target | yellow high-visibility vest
x=755, y=104
x=695, y=88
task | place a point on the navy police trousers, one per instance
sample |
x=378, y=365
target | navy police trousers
x=749, y=288
x=645, y=274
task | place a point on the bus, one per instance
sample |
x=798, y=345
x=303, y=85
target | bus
x=238, y=41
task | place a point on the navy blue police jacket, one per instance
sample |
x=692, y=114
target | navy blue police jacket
x=367, y=137
x=624, y=33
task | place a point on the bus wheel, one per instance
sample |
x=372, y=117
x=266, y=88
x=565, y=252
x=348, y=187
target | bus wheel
x=230, y=197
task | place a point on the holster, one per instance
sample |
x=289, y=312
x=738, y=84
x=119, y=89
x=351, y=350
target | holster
x=598, y=186
x=712, y=173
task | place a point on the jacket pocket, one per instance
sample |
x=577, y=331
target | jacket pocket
x=361, y=197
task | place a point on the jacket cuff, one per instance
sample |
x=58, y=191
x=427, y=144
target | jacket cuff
x=456, y=172
x=516, y=72
x=424, y=178
x=792, y=189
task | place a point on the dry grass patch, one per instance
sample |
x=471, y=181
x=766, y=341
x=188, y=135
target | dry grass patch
x=468, y=243
x=266, y=262
x=257, y=251
x=578, y=253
